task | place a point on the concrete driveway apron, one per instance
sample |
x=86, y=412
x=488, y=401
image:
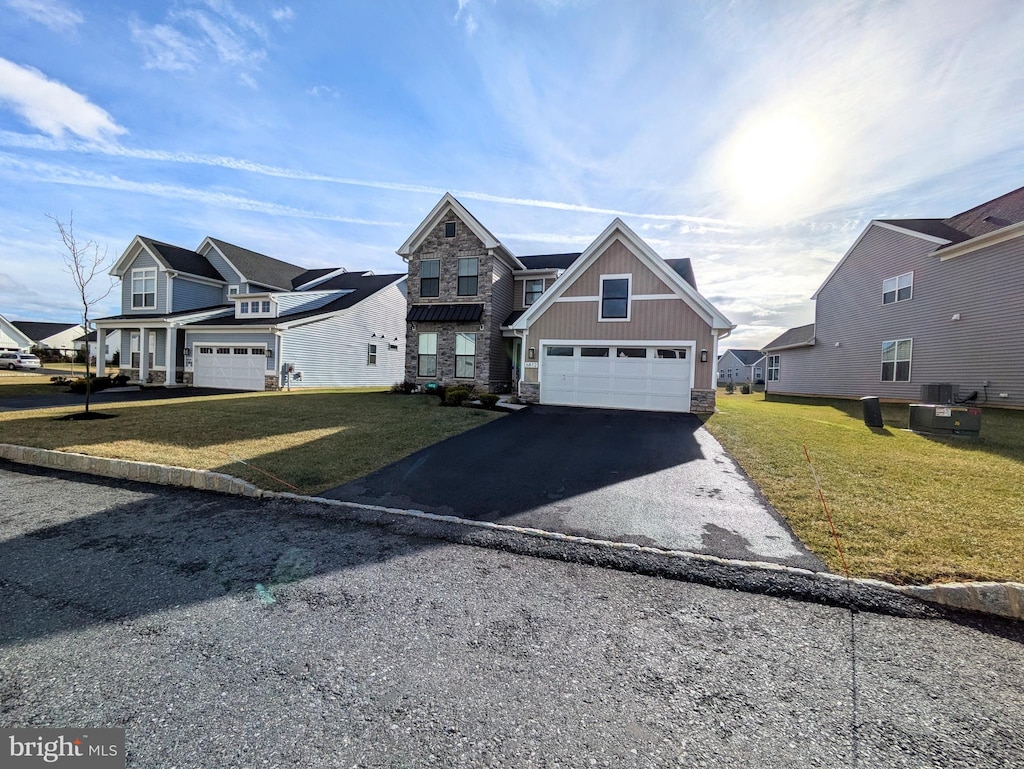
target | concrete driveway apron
x=650, y=478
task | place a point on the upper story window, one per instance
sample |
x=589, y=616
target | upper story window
x=259, y=307
x=898, y=289
x=532, y=291
x=469, y=269
x=430, y=277
x=232, y=290
x=615, y=297
x=144, y=288
x=449, y=229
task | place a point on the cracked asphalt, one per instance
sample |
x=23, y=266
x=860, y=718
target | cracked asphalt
x=231, y=632
x=628, y=476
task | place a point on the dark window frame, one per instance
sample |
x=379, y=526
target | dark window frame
x=433, y=288
x=532, y=295
x=469, y=280
x=449, y=229
x=611, y=299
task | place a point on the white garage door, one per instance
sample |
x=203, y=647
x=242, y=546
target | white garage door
x=234, y=368
x=618, y=377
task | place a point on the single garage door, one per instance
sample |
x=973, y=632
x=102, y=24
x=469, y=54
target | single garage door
x=233, y=368
x=618, y=377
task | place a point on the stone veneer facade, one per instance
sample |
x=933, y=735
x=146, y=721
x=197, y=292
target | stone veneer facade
x=702, y=401
x=487, y=329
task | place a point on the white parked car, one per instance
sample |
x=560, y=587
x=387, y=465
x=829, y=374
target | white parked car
x=19, y=360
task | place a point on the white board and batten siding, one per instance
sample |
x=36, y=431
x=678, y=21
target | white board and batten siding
x=984, y=288
x=333, y=352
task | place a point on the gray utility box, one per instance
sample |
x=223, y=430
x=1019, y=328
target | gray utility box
x=945, y=419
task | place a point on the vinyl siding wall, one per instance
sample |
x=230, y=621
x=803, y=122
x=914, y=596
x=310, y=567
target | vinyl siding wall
x=302, y=301
x=188, y=295
x=126, y=346
x=333, y=352
x=985, y=287
x=500, y=308
x=221, y=266
x=520, y=289
x=8, y=341
x=617, y=260
x=144, y=261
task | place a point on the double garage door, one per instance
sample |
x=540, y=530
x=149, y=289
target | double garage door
x=627, y=376
x=232, y=368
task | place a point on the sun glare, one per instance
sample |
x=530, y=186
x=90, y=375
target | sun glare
x=772, y=162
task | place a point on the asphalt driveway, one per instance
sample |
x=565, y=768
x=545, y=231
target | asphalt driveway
x=650, y=478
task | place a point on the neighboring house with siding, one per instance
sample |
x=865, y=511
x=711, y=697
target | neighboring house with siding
x=111, y=345
x=51, y=336
x=12, y=338
x=615, y=326
x=226, y=317
x=915, y=302
x=741, y=366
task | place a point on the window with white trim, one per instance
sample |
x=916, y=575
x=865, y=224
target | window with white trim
x=896, y=355
x=898, y=289
x=232, y=290
x=465, y=356
x=532, y=289
x=469, y=270
x=144, y=288
x=615, y=297
x=427, y=355
x=774, y=366
x=371, y=354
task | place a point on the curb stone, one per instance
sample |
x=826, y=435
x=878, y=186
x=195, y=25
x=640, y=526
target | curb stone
x=1001, y=599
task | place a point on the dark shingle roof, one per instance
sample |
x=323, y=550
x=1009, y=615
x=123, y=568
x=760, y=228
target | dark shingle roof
x=684, y=268
x=934, y=227
x=182, y=260
x=259, y=268
x=445, y=313
x=747, y=357
x=360, y=287
x=37, y=330
x=513, y=317
x=304, y=278
x=157, y=316
x=548, y=261
x=795, y=337
x=990, y=216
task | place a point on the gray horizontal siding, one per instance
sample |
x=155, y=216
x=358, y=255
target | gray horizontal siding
x=332, y=352
x=219, y=264
x=188, y=294
x=142, y=261
x=985, y=287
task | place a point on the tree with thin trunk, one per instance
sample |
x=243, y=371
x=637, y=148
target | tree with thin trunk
x=84, y=263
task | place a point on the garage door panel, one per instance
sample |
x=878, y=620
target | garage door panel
x=230, y=367
x=646, y=383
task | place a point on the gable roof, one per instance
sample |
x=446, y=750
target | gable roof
x=746, y=357
x=181, y=259
x=311, y=275
x=548, y=261
x=255, y=267
x=801, y=336
x=684, y=268
x=991, y=215
x=936, y=228
x=14, y=332
x=618, y=230
x=38, y=330
x=432, y=219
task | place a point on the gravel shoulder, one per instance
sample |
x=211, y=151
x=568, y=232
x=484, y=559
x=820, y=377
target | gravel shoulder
x=231, y=632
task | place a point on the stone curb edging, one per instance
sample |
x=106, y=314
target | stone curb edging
x=1002, y=599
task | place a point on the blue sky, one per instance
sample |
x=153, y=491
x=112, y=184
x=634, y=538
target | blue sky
x=756, y=138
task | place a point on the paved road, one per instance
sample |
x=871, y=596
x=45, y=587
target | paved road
x=136, y=606
x=59, y=397
x=650, y=478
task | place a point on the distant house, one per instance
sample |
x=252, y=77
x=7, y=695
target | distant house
x=51, y=336
x=223, y=316
x=741, y=366
x=112, y=344
x=915, y=302
x=616, y=326
x=12, y=338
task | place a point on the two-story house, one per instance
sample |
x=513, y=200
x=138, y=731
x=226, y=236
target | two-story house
x=916, y=302
x=226, y=317
x=615, y=326
x=741, y=366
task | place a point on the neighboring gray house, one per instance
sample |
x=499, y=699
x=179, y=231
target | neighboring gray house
x=741, y=366
x=226, y=317
x=913, y=302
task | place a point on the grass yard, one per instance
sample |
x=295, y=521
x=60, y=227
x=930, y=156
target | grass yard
x=908, y=508
x=17, y=383
x=313, y=440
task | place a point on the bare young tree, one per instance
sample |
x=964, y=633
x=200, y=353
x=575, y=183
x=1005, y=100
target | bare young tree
x=84, y=263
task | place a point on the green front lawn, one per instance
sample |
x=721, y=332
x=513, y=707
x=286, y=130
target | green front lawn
x=908, y=508
x=17, y=383
x=312, y=440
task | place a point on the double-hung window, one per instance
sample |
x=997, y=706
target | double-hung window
x=427, y=361
x=371, y=355
x=465, y=356
x=896, y=355
x=898, y=289
x=469, y=269
x=144, y=288
x=430, y=277
x=532, y=291
x=774, y=365
x=615, y=297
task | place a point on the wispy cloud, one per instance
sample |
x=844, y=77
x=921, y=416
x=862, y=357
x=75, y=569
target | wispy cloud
x=284, y=13
x=57, y=15
x=323, y=90
x=164, y=47
x=466, y=15
x=53, y=107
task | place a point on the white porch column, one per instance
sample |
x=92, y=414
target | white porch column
x=101, y=353
x=143, y=354
x=170, y=359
